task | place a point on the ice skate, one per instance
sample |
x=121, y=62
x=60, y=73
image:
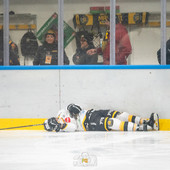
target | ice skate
x=153, y=121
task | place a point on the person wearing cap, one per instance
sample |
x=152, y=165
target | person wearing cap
x=81, y=57
x=47, y=54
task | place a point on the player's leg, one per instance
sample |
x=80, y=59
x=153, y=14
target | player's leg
x=153, y=121
x=124, y=116
x=98, y=123
x=106, y=120
x=118, y=125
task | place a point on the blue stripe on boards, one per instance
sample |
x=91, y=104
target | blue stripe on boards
x=84, y=67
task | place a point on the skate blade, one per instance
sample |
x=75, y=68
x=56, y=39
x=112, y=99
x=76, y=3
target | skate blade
x=156, y=122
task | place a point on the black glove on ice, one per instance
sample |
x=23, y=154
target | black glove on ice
x=52, y=124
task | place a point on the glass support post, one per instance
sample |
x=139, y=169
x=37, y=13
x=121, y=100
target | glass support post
x=112, y=31
x=60, y=32
x=163, y=32
x=6, y=33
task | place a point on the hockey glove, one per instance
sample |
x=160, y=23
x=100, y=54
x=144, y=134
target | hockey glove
x=52, y=124
x=73, y=109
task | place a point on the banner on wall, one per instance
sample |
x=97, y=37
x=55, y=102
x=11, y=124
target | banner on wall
x=52, y=23
x=124, y=18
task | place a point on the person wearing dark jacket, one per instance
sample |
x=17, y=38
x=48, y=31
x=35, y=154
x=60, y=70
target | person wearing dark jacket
x=13, y=56
x=167, y=53
x=81, y=57
x=47, y=54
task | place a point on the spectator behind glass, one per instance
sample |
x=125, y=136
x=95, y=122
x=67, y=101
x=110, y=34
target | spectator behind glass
x=81, y=56
x=123, y=46
x=13, y=51
x=167, y=53
x=47, y=54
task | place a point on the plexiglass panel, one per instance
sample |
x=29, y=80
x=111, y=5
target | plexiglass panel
x=142, y=20
x=30, y=21
x=87, y=19
x=137, y=31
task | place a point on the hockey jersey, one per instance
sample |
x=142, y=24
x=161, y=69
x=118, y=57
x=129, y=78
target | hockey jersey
x=72, y=124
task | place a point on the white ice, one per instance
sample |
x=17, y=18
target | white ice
x=41, y=150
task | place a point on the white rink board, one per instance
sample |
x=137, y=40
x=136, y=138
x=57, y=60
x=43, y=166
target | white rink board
x=28, y=93
x=41, y=93
x=135, y=91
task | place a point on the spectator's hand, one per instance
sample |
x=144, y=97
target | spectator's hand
x=91, y=52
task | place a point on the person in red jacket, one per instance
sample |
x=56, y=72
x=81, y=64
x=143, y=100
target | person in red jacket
x=123, y=46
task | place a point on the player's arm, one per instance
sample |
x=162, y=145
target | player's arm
x=69, y=127
x=58, y=124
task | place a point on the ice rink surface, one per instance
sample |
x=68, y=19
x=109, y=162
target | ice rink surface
x=40, y=150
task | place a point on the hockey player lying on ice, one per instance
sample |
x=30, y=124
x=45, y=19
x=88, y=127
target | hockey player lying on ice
x=76, y=119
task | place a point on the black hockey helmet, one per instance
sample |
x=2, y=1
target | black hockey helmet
x=73, y=109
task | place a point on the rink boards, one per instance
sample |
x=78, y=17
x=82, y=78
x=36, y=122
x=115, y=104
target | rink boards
x=29, y=95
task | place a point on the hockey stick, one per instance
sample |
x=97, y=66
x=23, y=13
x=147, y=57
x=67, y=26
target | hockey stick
x=21, y=126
